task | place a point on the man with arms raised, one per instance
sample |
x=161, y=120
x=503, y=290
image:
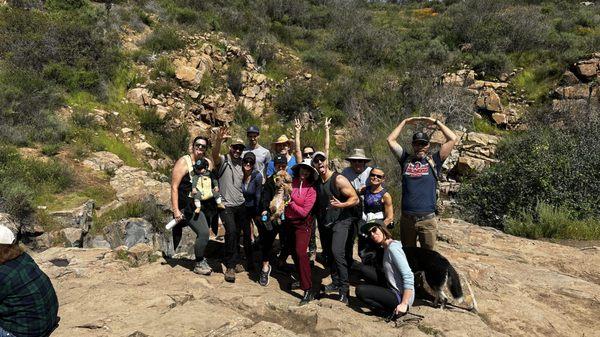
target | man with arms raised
x=420, y=172
x=336, y=199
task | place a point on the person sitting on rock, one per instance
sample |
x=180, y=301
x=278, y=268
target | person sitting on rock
x=420, y=172
x=28, y=303
x=204, y=185
x=182, y=204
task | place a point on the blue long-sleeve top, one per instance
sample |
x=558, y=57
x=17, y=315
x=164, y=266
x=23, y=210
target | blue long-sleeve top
x=396, y=269
x=252, y=190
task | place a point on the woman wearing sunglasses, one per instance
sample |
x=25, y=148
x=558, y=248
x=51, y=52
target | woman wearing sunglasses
x=393, y=290
x=252, y=189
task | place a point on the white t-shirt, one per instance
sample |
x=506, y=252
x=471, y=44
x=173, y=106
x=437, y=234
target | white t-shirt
x=357, y=180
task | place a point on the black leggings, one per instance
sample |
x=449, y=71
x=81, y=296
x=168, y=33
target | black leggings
x=377, y=295
x=267, y=233
x=198, y=224
x=236, y=221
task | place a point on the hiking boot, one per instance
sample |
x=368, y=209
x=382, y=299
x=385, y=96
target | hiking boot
x=330, y=288
x=239, y=268
x=308, y=296
x=202, y=268
x=264, y=277
x=230, y=275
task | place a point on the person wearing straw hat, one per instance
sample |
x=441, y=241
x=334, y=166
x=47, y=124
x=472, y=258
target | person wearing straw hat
x=230, y=174
x=282, y=145
x=420, y=172
x=298, y=222
x=358, y=171
x=28, y=303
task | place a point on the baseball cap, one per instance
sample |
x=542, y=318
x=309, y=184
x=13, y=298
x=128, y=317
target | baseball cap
x=366, y=228
x=420, y=137
x=249, y=156
x=280, y=159
x=253, y=129
x=318, y=153
x=7, y=237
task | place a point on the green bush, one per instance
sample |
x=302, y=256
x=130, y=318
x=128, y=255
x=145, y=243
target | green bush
x=149, y=120
x=547, y=221
x=146, y=208
x=174, y=142
x=21, y=179
x=234, y=78
x=164, y=39
x=163, y=67
x=296, y=97
x=544, y=164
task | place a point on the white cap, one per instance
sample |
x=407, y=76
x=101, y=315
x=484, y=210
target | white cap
x=6, y=236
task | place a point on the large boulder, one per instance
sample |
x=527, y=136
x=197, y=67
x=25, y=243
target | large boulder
x=134, y=184
x=577, y=91
x=139, y=96
x=95, y=241
x=588, y=69
x=128, y=232
x=79, y=217
x=103, y=161
x=72, y=237
x=489, y=100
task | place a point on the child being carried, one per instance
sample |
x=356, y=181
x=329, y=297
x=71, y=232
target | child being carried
x=204, y=185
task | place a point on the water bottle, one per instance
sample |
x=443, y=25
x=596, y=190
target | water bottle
x=171, y=224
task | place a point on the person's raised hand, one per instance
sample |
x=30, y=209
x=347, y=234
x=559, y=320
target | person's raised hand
x=297, y=124
x=327, y=123
x=223, y=133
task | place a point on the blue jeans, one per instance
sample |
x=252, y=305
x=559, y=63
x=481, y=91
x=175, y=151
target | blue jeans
x=4, y=333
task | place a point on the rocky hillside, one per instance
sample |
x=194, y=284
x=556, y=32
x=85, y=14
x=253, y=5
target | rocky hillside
x=522, y=287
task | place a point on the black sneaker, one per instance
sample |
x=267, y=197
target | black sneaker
x=308, y=296
x=330, y=288
x=264, y=277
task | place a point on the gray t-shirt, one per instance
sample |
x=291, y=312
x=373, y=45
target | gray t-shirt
x=357, y=180
x=230, y=181
x=263, y=157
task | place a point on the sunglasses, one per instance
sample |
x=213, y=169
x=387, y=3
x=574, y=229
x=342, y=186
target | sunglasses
x=200, y=146
x=248, y=162
x=421, y=144
x=308, y=154
x=379, y=176
x=239, y=148
x=373, y=229
x=318, y=160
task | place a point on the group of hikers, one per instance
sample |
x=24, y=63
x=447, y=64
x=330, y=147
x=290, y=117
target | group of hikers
x=246, y=187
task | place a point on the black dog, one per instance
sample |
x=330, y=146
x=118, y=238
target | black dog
x=436, y=269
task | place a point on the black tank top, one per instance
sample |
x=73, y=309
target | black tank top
x=183, y=192
x=373, y=202
x=325, y=191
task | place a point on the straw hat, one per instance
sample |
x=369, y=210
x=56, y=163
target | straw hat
x=282, y=140
x=358, y=154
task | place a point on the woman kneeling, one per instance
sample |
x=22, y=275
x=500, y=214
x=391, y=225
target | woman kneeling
x=397, y=294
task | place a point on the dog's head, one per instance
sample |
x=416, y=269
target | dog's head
x=282, y=178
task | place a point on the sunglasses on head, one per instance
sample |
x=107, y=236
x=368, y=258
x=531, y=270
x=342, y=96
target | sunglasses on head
x=380, y=176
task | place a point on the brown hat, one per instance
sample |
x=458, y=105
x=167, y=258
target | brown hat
x=358, y=154
x=283, y=139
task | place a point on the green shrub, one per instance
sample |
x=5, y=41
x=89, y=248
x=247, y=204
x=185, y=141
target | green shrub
x=149, y=120
x=295, y=97
x=51, y=149
x=174, y=142
x=162, y=87
x=163, y=67
x=547, y=221
x=164, y=39
x=65, y=4
x=146, y=208
x=262, y=46
x=234, y=78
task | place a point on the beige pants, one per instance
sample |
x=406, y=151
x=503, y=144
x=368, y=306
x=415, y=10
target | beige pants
x=424, y=229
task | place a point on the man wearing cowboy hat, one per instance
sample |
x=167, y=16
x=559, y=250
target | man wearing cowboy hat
x=282, y=145
x=420, y=172
x=230, y=174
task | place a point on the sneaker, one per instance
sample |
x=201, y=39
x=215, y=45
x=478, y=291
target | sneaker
x=342, y=298
x=230, y=275
x=202, y=268
x=330, y=288
x=239, y=268
x=308, y=296
x=264, y=277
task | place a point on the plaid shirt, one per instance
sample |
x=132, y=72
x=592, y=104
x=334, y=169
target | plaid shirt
x=28, y=303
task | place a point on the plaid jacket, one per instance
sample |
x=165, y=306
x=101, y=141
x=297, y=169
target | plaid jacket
x=28, y=303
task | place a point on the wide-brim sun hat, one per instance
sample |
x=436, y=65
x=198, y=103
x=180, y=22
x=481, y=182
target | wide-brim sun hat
x=306, y=163
x=358, y=154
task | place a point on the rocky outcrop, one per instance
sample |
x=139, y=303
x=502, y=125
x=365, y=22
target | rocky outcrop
x=103, y=161
x=134, y=184
x=578, y=87
x=523, y=288
x=79, y=217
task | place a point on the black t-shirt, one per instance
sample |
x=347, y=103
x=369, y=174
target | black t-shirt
x=419, y=183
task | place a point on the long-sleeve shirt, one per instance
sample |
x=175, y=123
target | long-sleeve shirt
x=396, y=269
x=252, y=190
x=302, y=200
